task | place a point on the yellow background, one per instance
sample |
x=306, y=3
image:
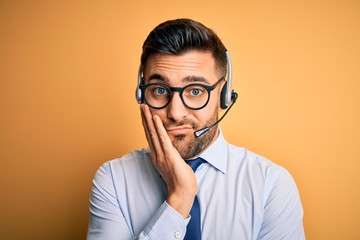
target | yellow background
x=67, y=80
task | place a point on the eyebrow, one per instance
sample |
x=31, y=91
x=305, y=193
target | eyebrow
x=156, y=76
x=188, y=79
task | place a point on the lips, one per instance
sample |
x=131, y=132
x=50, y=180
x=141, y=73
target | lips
x=179, y=130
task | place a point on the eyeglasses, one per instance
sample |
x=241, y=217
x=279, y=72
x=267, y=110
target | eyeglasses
x=194, y=96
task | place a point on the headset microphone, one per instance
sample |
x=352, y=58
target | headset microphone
x=204, y=130
x=227, y=98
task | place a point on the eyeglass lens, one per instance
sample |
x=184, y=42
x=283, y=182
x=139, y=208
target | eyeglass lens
x=193, y=96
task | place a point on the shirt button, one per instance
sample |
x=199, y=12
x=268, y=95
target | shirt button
x=177, y=235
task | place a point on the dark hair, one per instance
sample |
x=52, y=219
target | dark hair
x=175, y=37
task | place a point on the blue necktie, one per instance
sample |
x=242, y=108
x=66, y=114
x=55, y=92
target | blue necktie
x=193, y=231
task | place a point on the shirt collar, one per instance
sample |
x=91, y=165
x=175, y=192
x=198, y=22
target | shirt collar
x=216, y=154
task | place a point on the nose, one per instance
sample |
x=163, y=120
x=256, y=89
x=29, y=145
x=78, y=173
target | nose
x=176, y=110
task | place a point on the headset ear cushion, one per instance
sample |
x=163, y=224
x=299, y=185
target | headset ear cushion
x=138, y=95
x=223, y=104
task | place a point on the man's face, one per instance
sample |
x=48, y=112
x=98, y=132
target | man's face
x=179, y=121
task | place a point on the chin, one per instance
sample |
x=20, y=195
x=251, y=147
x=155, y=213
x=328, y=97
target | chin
x=186, y=145
x=189, y=146
x=181, y=142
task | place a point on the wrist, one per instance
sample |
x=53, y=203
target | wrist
x=182, y=203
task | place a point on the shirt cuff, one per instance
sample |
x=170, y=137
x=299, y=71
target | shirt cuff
x=167, y=223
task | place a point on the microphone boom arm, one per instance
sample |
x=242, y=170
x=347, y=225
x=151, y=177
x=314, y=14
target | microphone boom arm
x=200, y=132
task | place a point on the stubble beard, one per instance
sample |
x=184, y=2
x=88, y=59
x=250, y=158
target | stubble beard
x=191, y=146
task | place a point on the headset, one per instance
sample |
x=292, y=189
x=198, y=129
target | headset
x=227, y=97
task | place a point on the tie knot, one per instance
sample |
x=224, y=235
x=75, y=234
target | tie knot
x=195, y=163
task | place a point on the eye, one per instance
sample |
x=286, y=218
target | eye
x=195, y=92
x=159, y=90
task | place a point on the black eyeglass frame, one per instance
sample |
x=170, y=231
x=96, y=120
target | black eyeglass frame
x=171, y=91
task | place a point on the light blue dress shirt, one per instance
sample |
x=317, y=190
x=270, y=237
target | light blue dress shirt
x=242, y=196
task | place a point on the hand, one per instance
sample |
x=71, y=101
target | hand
x=178, y=176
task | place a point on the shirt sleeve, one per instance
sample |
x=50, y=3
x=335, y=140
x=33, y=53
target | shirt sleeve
x=164, y=224
x=109, y=222
x=283, y=212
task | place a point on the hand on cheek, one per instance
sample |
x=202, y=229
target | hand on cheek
x=178, y=176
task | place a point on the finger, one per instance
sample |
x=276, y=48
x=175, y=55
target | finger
x=154, y=139
x=147, y=124
x=164, y=139
x=146, y=128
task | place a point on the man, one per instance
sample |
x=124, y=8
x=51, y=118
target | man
x=156, y=194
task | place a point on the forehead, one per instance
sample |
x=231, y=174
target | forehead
x=178, y=68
